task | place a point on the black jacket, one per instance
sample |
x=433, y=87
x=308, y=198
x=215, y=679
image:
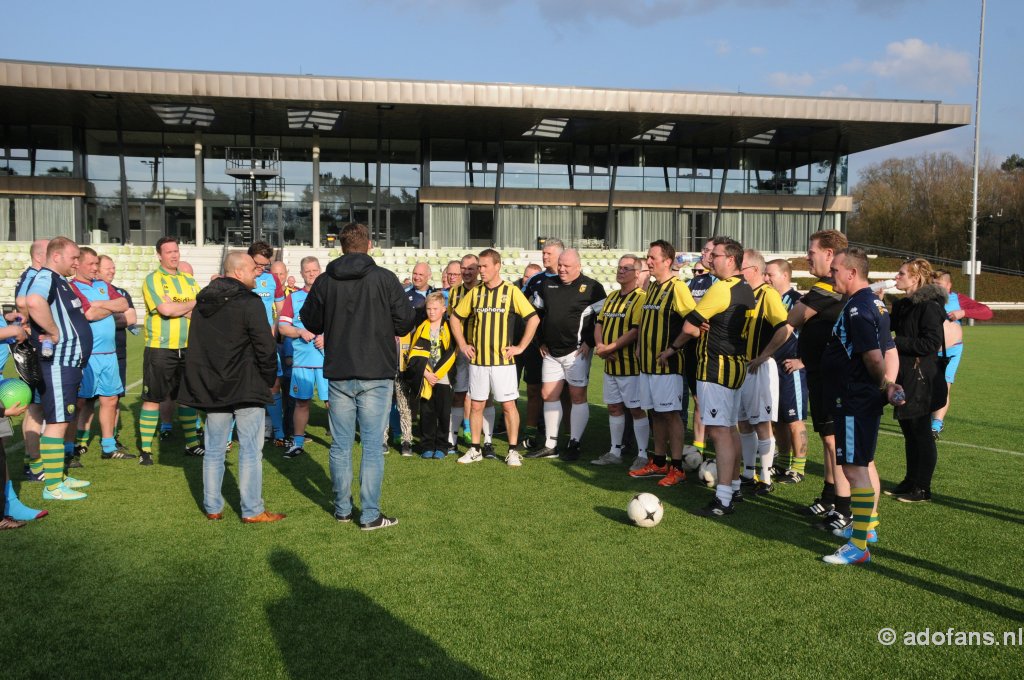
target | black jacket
x=917, y=326
x=360, y=308
x=231, y=360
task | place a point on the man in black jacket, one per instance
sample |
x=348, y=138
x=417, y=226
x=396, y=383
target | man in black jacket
x=360, y=309
x=229, y=370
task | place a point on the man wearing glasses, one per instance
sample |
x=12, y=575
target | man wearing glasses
x=272, y=294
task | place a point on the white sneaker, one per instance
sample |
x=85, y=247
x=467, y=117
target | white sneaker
x=610, y=458
x=639, y=461
x=513, y=459
x=473, y=455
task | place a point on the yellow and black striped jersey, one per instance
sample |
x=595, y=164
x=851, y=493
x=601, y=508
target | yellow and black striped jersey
x=661, y=321
x=488, y=316
x=161, y=331
x=455, y=294
x=722, y=350
x=619, y=315
x=768, y=314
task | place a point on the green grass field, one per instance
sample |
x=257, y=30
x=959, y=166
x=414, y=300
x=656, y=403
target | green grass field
x=523, y=573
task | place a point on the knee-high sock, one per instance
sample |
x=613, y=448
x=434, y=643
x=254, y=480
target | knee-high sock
x=798, y=465
x=862, y=501
x=552, y=420
x=642, y=432
x=187, y=420
x=13, y=507
x=149, y=420
x=82, y=438
x=766, y=447
x=748, y=440
x=488, y=424
x=458, y=413
x=51, y=450
x=276, y=416
x=579, y=415
x=616, y=427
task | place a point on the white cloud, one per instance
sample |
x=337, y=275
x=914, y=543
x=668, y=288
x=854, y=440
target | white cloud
x=757, y=51
x=791, y=81
x=722, y=47
x=927, y=67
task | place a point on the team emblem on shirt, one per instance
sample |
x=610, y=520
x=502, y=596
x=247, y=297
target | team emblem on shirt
x=583, y=288
x=71, y=409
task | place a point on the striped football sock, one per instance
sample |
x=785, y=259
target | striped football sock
x=862, y=502
x=187, y=420
x=799, y=464
x=51, y=452
x=149, y=420
x=82, y=438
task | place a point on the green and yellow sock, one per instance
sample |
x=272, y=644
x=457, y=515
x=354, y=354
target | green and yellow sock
x=862, y=503
x=36, y=465
x=82, y=438
x=873, y=522
x=51, y=453
x=798, y=464
x=784, y=459
x=149, y=420
x=187, y=420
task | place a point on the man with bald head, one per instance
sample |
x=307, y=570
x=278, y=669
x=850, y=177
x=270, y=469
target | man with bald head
x=229, y=370
x=566, y=340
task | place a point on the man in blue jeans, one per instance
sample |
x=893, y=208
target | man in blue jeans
x=229, y=370
x=360, y=309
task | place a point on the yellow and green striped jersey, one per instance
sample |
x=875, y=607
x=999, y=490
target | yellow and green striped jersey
x=661, y=321
x=618, y=316
x=722, y=350
x=163, y=332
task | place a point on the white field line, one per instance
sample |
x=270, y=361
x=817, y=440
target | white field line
x=969, y=446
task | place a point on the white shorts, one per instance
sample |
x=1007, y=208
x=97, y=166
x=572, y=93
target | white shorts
x=497, y=382
x=571, y=368
x=759, y=396
x=461, y=382
x=719, y=405
x=661, y=393
x=622, y=389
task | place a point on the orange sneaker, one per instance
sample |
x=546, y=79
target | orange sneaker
x=650, y=470
x=674, y=476
x=264, y=517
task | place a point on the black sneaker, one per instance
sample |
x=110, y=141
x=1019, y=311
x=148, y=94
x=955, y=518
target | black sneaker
x=117, y=455
x=789, y=477
x=73, y=462
x=120, y=447
x=747, y=482
x=165, y=434
x=817, y=509
x=145, y=458
x=32, y=476
x=407, y=449
x=528, y=443
x=543, y=452
x=571, y=453
x=716, y=509
x=487, y=450
x=344, y=519
x=737, y=496
x=904, y=487
x=197, y=451
x=833, y=521
x=915, y=496
x=381, y=522
x=762, y=489
x=294, y=452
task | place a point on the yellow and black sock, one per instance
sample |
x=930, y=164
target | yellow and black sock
x=862, y=503
x=149, y=420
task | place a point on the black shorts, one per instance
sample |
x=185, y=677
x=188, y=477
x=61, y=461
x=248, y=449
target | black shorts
x=821, y=413
x=856, y=438
x=792, y=395
x=528, y=365
x=161, y=373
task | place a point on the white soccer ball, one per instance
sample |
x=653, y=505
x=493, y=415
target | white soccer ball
x=692, y=461
x=708, y=473
x=645, y=510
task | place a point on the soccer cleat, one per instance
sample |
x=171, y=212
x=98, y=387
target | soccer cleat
x=7, y=523
x=62, y=493
x=145, y=458
x=915, y=496
x=117, y=455
x=197, y=451
x=747, y=482
x=264, y=517
x=638, y=462
x=847, y=533
x=165, y=434
x=293, y=452
x=738, y=497
x=120, y=447
x=381, y=522
x=674, y=476
x=280, y=442
x=513, y=459
x=406, y=448
x=571, y=453
x=472, y=455
x=528, y=443
x=789, y=477
x=715, y=509
x=904, y=487
x=33, y=476
x=834, y=520
x=488, y=451
x=816, y=509
x=543, y=452
x=611, y=458
x=71, y=462
x=73, y=483
x=200, y=432
x=650, y=470
x=848, y=554
x=762, y=489
x=452, y=450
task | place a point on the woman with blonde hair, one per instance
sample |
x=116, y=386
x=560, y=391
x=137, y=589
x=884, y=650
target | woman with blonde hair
x=917, y=326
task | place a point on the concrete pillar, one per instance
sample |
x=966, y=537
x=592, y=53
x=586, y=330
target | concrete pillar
x=200, y=212
x=316, y=195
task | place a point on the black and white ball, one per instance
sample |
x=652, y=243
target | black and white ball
x=692, y=461
x=708, y=473
x=645, y=510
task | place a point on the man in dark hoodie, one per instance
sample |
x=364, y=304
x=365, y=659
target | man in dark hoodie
x=229, y=370
x=360, y=309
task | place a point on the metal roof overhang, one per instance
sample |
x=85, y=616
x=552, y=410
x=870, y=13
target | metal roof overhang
x=812, y=128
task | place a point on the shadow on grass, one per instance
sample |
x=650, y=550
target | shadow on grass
x=614, y=514
x=307, y=476
x=323, y=631
x=1001, y=512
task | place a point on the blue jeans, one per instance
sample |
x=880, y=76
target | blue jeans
x=249, y=425
x=366, y=402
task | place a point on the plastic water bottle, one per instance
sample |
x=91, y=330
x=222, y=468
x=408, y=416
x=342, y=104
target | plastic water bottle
x=879, y=286
x=46, y=348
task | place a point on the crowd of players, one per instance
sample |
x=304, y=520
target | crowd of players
x=738, y=340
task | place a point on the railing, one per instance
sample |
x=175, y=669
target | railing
x=949, y=262
x=241, y=160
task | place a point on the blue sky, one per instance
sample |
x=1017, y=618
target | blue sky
x=902, y=49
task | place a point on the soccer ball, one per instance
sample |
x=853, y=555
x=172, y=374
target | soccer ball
x=708, y=473
x=645, y=510
x=692, y=461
